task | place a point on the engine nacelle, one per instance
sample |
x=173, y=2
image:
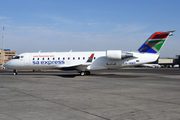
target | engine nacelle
x=117, y=54
x=114, y=54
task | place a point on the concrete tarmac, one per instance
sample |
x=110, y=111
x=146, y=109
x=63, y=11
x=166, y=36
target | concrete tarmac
x=124, y=94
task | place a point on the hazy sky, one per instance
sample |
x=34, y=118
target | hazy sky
x=88, y=25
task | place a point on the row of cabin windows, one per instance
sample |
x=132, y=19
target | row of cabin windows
x=59, y=58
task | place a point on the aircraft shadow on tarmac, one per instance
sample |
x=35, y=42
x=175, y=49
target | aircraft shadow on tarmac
x=69, y=75
x=98, y=75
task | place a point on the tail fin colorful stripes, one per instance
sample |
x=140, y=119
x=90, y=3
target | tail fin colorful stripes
x=90, y=58
x=155, y=42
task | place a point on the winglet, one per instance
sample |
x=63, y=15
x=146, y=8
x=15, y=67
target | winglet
x=90, y=58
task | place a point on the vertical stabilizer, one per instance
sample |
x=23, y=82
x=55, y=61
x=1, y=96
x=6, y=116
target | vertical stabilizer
x=155, y=42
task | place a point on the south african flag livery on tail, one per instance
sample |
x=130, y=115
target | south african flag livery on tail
x=155, y=42
x=90, y=58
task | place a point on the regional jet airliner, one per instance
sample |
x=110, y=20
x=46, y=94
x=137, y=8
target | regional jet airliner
x=84, y=62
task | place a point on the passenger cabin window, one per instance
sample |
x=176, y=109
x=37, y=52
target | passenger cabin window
x=63, y=58
x=48, y=58
x=94, y=57
x=78, y=58
x=68, y=58
x=58, y=58
x=43, y=59
x=53, y=58
x=73, y=58
x=17, y=57
x=83, y=58
x=33, y=58
x=38, y=59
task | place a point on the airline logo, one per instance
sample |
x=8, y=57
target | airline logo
x=48, y=62
x=154, y=43
x=90, y=58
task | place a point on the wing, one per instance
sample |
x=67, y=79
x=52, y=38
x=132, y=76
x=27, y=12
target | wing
x=79, y=67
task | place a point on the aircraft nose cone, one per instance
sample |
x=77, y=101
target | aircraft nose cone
x=7, y=64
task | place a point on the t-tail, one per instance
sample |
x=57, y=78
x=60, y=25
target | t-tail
x=154, y=43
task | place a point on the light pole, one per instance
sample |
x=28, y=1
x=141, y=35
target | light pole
x=3, y=48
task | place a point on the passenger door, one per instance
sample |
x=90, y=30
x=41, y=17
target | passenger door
x=27, y=59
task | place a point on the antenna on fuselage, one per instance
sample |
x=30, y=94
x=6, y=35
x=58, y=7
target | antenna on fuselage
x=40, y=51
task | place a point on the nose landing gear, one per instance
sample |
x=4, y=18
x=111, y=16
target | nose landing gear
x=15, y=72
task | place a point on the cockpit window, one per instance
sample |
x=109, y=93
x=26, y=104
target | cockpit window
x=17, y=57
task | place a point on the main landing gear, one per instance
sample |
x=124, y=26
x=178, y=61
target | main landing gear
x=15, y=72
x=82, y=73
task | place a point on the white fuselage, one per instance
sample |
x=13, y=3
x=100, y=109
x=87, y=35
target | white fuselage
x=77, y=60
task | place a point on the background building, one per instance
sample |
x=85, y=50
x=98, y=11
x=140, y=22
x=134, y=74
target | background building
x=167, y=63
x=177, y=61
x=8, y=54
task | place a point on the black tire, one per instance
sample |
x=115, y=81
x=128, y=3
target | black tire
x=88, y=73
x=82, y=73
